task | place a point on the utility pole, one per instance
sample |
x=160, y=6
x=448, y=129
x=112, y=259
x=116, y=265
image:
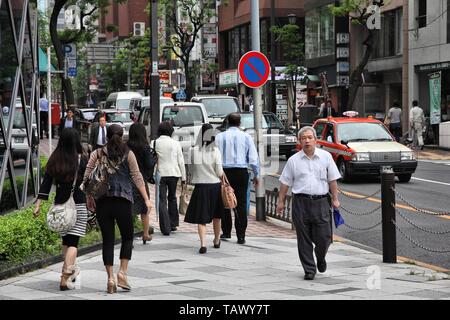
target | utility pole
x=154, y=100
x=273, y=86
x=49, y=98
x=257, y=107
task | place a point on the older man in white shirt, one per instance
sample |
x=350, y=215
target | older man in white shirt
x=312, y=174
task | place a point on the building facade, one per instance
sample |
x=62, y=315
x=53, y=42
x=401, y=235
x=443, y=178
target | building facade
x=235, y=41
x=429, y=59
x=19, y=103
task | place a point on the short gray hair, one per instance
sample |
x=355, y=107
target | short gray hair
x=307, y=128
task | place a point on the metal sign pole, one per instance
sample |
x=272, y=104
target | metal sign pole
x=49, y=99
x=257, y=100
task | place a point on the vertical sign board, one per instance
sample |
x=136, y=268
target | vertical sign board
x=70, y=53
x=435, y=97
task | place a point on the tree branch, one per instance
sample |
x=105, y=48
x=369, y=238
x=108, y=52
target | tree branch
x=82, y=27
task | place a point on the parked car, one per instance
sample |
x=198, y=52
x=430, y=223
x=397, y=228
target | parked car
x=85, y=117
x=124, y=100
x=19, y=143
x=277, y=138
x=361, y=146
x=218, y=107
x=122, y=117
x=187, y=119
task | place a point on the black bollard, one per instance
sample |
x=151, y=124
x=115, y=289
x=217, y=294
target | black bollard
x=388, y=214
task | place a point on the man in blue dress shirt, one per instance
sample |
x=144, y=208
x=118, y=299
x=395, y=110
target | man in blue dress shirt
x=238, y=153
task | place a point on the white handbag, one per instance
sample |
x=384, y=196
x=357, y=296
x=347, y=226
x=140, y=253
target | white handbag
x=62, y=217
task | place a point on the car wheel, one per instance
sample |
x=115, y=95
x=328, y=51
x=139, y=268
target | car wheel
x=404, y=177
x=342, y=167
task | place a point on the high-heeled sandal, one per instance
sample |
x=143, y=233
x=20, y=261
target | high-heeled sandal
x=65, y=283
x=146, y=238
x=111, y=286
x=122, y=281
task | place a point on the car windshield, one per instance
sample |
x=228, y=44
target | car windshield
x=363, y=131
x=247, y=121
x=118, y=117
x=123, y=104
x=219, y=107
x=89, y=115
x=19, y=120
x=183, y=116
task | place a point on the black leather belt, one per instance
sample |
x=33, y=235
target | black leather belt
x=311, y=196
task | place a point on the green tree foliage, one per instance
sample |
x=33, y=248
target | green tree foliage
x=186, y=19
x=89, y=12
x=292, y=43
x=359, y=13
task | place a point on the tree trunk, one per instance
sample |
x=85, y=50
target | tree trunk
x=189, y=87
x=355, y=79
x=57, y=44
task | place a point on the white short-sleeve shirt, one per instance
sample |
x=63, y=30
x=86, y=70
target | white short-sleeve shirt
x=310, y=175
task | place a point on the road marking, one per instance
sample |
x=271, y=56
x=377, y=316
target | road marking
x=431, y=181
x=401, y=206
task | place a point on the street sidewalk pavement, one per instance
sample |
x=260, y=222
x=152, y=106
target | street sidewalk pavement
x=267, y=267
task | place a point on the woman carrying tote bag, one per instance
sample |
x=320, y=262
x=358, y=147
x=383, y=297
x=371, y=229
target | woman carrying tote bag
x=61, y=170
x=206, y=202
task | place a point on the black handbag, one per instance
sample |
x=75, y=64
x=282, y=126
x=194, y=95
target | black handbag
x=152, y=163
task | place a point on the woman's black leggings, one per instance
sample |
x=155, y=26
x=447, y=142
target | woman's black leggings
x=109, y=210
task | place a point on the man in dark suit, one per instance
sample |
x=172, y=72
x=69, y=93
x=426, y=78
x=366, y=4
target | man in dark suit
x=69, y=121
x=97, y=139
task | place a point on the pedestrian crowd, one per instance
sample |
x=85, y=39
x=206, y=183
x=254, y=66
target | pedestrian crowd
x=112, y=182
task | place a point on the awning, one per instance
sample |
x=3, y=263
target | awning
x=43, y=62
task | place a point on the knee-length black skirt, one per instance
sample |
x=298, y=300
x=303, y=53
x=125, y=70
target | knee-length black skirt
x=205, y=204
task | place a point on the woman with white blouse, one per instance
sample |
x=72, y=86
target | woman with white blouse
x=206, y=172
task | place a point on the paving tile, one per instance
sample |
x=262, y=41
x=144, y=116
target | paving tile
x=301, y=292
x=430, y=294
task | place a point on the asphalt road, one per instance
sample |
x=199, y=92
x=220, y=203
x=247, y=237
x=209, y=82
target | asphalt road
x=428, y=189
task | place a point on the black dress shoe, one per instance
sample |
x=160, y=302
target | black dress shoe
x=173, y=229
x=322, y=266
x=225, y=236
x=309, y=276
x=241, y=241
x=202, y=250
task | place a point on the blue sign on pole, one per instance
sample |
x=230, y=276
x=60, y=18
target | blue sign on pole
x=181, y=95
x=71, y=72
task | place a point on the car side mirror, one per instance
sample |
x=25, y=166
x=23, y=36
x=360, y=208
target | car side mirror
x=345, y=143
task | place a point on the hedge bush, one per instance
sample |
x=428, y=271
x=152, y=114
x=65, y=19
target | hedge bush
x=23, y=236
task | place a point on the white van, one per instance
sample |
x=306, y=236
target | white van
x=124, y=100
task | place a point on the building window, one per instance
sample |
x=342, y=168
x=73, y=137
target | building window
x=319, y=39
x=421, y=13
x=390, y=36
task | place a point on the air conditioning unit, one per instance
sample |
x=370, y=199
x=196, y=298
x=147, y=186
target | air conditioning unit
x=138, y=29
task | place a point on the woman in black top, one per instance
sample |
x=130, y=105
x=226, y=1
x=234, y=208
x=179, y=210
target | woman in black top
x=61, y=170
x=137, y=142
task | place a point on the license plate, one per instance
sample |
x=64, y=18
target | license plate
x=19, y=140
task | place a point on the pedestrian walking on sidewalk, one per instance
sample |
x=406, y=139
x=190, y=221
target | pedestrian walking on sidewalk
x=170, y=168
x=395, y=120
x=312, y=174
x=69, y=122
x=97, y=138
x=206, y=171
x=66, y=163
x=416, y=124
x=43, y=116
x=115, y=205
x=238, y=152
x=137, y=142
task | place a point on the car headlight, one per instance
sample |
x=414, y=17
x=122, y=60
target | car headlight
x=361, y=156
x=407, y=156
x=291, y=139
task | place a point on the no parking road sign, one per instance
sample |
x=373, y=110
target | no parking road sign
x=254, y=69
